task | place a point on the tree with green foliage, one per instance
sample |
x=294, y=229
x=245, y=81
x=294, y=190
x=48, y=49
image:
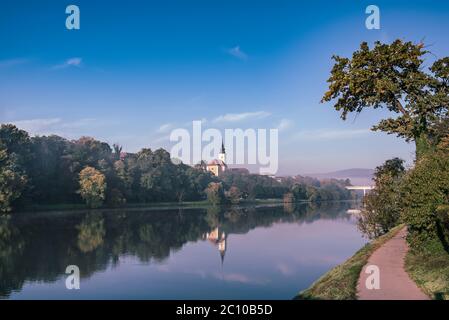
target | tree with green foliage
x=17, y=142
x=299, y=191
x=254, y=185
x=382, y=206
x=215, y=193
x=15, y=156
x=92, y=186
x=234, y=195
x=393, y=76
x=12, y=181
x=199, y=180
x=52, y=173
x=425, y=194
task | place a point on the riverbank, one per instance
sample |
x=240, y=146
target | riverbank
x=429, y=268
x=340, y=283
x=394, y=283
x=165, y=205
x=153, y=205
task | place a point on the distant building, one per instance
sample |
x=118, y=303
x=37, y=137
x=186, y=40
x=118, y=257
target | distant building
x=218, y=166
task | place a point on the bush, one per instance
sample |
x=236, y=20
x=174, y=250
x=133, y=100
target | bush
x=425, y=189
x=382, y=207
x=443, y=225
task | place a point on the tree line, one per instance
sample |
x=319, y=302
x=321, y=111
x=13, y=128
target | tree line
x=45, y=170
x=51, y=170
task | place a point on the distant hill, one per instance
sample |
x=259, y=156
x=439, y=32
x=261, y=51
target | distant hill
x=358, y=176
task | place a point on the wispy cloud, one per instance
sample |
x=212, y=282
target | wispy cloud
x=81, y=123
x=37, y=126
x=13, y=62
x=285, y=124
x=237, y=53
x=47, y=126
x=236, y=117
x=285, y=269
x=165, y=128
x=325, y=134
x=72, y=62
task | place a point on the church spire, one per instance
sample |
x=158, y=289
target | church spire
x=222, y=154
x=222, y=147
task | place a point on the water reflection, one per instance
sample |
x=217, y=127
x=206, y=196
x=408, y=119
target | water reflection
x=36, y=248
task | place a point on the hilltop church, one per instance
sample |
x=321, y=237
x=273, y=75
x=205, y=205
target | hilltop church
x=218, y=166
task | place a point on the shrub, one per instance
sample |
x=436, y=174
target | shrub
x=443, y=225
x=425, y=189
x=382, y=207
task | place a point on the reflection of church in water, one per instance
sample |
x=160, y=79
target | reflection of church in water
x=218, y=238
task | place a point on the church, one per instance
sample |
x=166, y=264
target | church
x=218, y=166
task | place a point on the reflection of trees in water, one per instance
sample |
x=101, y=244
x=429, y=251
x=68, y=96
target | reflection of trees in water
x=289, y=207
x=91, y=232
x=213, y=216
x=39, y=247
x=11, y=248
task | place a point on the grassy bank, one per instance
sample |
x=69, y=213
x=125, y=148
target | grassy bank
x=429, y=268
x=340, y=283
x=153, y=205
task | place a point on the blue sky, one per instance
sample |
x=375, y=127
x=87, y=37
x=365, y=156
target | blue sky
x=138, y=69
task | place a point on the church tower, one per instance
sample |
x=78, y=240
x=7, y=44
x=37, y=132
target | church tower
x=218, y=166
x=222, y=154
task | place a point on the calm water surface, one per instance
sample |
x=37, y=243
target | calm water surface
x=269, y=252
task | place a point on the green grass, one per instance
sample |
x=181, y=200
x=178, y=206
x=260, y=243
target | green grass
x=429, y=268
x=340, y=283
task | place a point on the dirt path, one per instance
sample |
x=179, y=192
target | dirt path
x=395, y=283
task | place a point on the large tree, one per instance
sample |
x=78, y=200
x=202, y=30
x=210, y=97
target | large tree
x=92, y=186
x=393, y=76
x=12, y=181
x=14, y=157
x=382, y=206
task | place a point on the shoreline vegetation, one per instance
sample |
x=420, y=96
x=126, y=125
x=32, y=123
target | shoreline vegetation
x=53, y=172
x=171, y=205
x=154, y=205
x=394, y=76
x=340, y=283
x=429, y=268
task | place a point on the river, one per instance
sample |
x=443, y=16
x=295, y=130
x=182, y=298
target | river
x=256, y=252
